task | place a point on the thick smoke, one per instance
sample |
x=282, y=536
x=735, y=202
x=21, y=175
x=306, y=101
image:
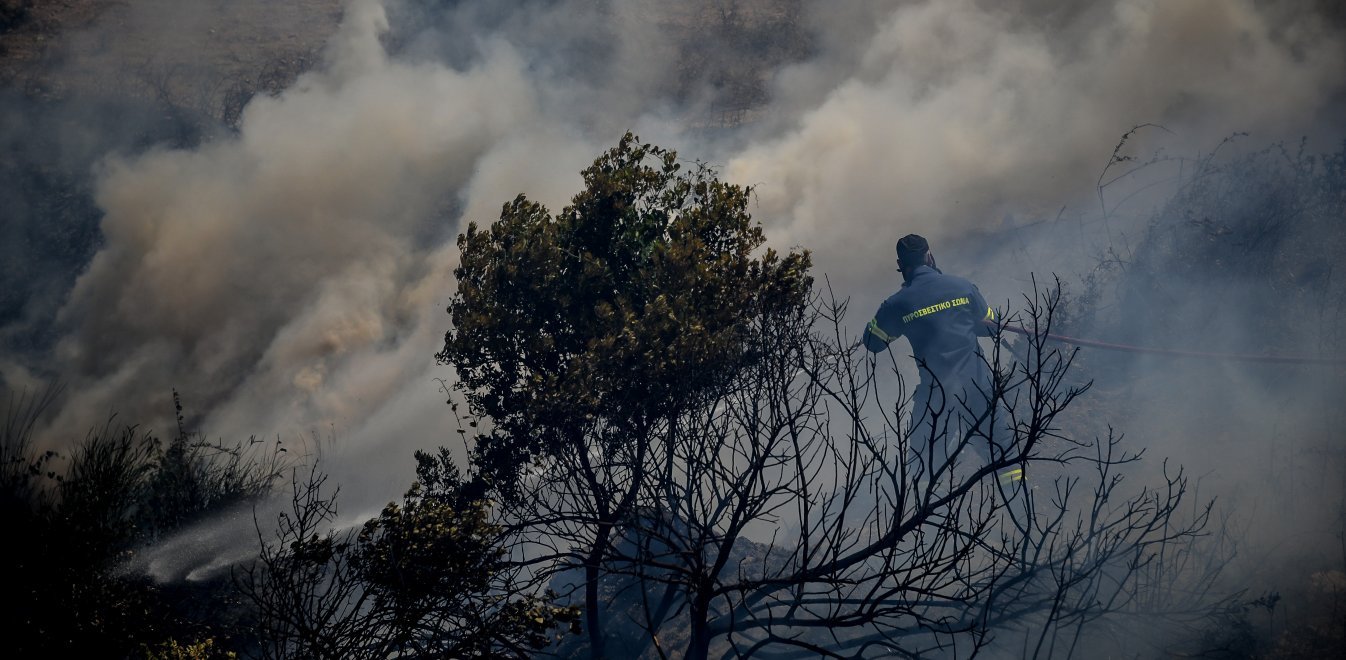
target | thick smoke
x=290, y=278
x=954, y=116
x=294, y=276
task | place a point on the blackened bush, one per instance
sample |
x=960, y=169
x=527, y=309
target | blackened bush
x=78, y=516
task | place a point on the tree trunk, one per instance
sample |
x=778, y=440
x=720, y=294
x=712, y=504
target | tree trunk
x=698, y=648
x=593, y=621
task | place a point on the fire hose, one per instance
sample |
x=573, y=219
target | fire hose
x=1237, y=357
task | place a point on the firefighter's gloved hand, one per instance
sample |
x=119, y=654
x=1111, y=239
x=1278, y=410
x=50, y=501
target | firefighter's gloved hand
x=1011, y=477
x=1018, y=494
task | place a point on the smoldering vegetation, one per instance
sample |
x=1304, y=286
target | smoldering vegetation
x=1230, y=252
x=272, y=236
x=1244, y=257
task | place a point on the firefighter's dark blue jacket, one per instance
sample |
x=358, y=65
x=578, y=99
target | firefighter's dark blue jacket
x=942, y=315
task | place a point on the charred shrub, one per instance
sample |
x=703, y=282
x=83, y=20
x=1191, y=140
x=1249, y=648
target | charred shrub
x=83, y=513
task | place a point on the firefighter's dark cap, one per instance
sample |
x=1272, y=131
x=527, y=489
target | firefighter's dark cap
x=912, y=248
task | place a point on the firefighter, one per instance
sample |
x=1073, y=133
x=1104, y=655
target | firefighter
x=942, y=316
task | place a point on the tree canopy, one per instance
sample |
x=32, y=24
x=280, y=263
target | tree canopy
x=641, y=295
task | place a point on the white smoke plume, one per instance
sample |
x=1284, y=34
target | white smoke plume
x=295, y=276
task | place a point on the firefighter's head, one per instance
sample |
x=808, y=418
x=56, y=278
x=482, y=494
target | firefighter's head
x=913, y=251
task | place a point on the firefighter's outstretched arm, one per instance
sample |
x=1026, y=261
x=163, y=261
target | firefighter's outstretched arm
x=879, y=334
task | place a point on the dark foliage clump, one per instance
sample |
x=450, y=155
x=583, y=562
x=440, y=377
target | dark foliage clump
x=427, y=577
x=79, y=517
x=639, y=298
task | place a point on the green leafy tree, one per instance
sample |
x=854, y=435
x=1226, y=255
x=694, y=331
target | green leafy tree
x=436, y=563
x=580, y=336
x=623, y=308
